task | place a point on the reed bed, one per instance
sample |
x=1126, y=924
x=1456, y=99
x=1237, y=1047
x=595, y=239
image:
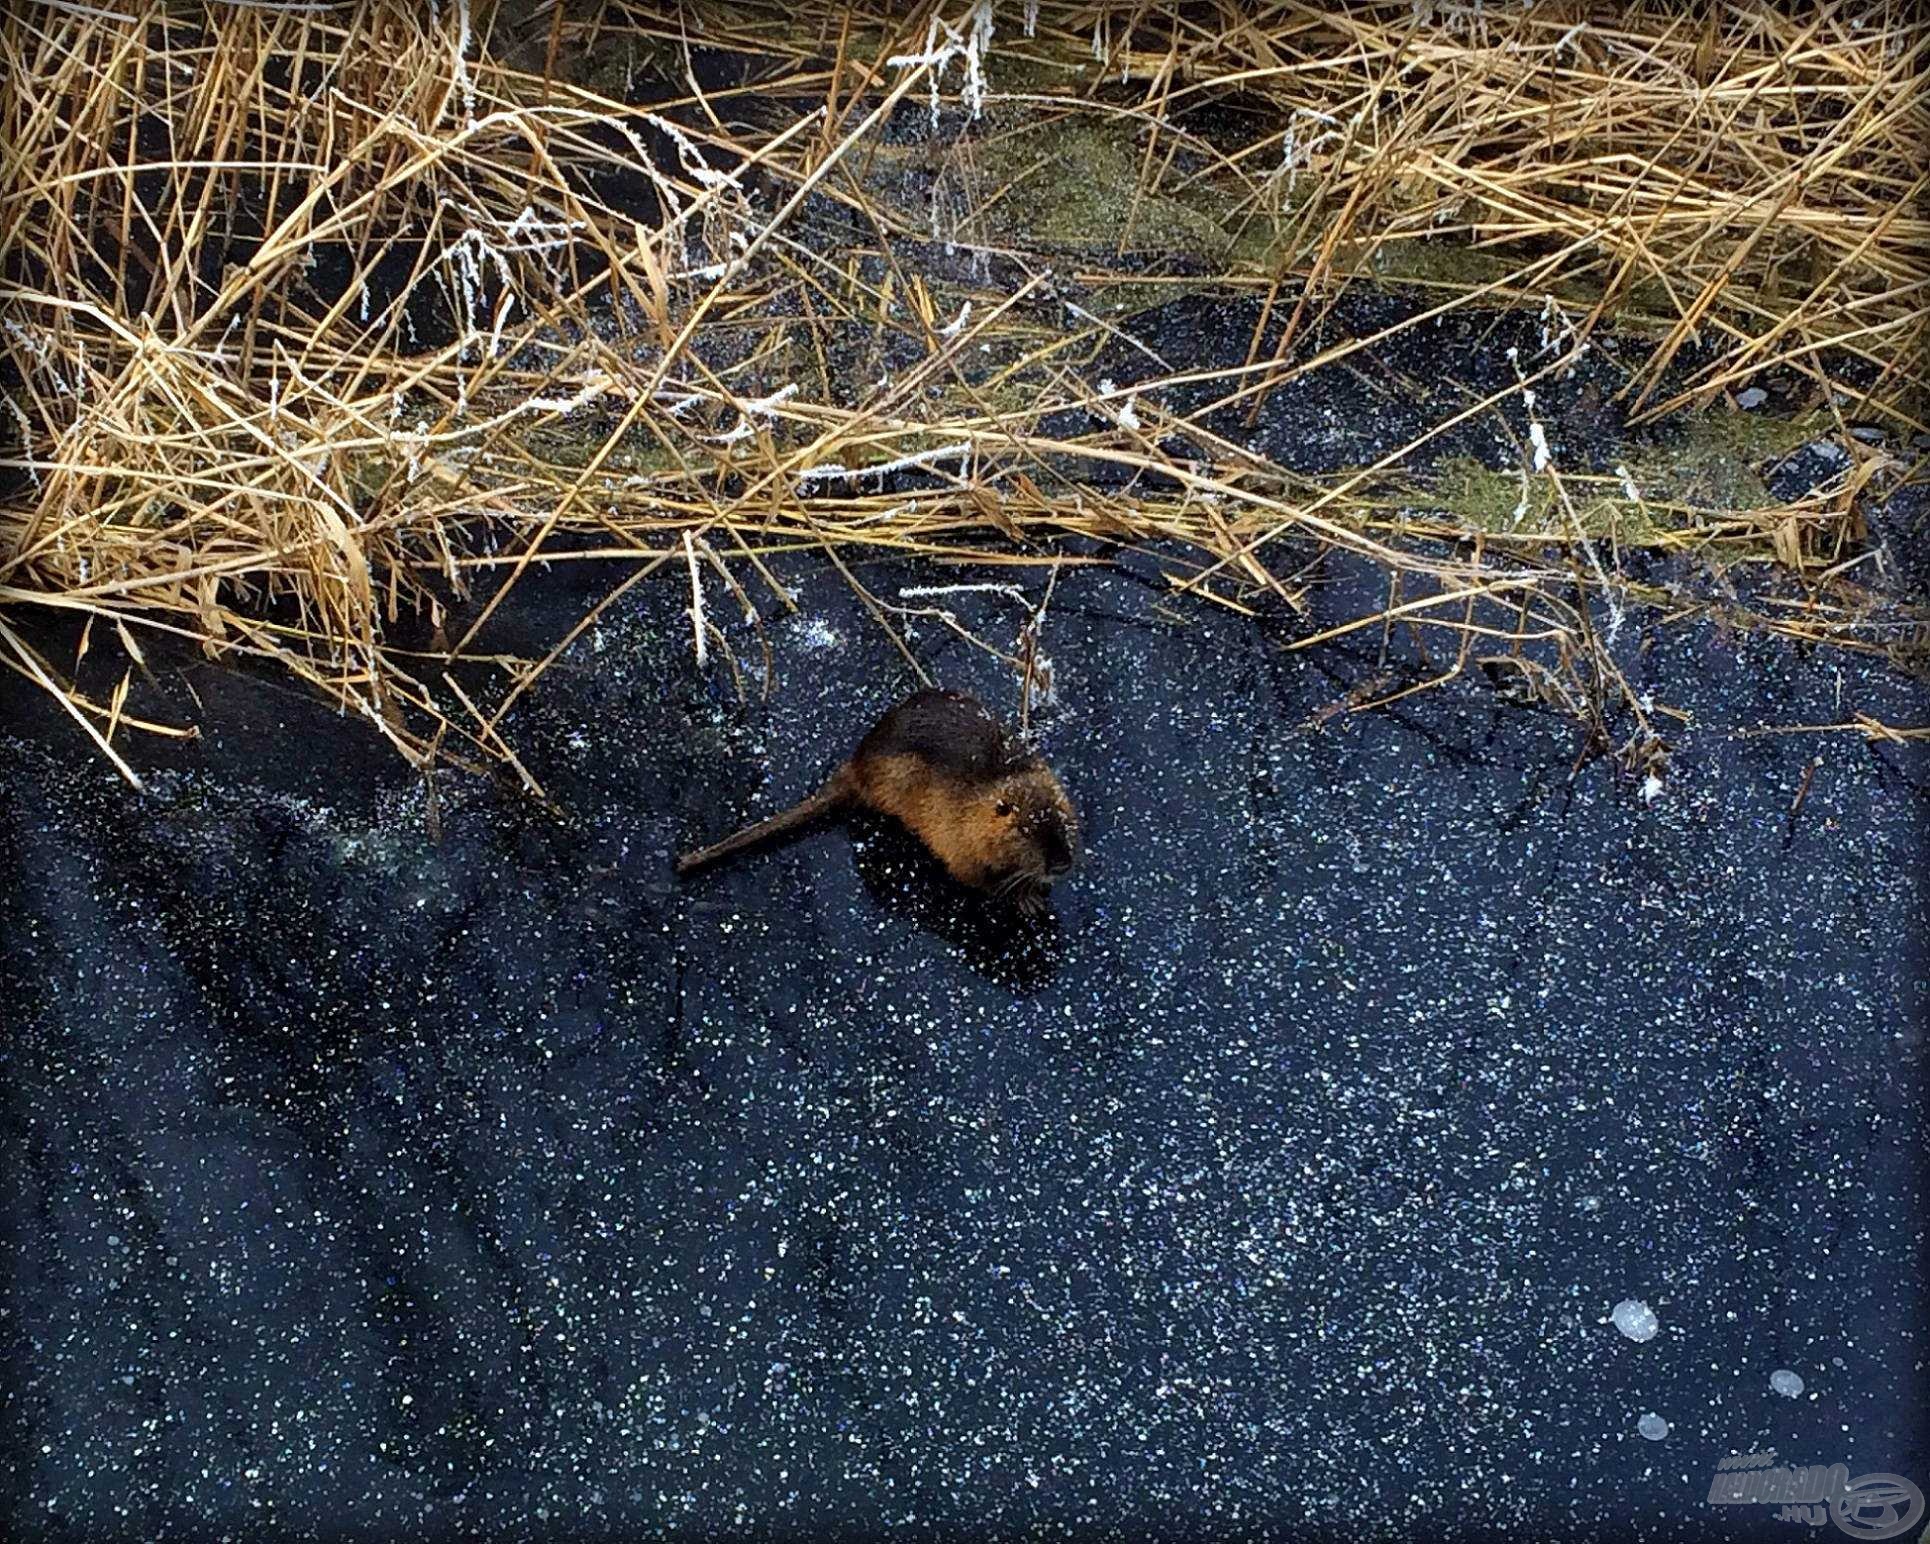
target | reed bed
x=323, y=323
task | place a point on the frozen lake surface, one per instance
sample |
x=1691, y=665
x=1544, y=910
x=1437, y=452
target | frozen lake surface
x=1286, y=1181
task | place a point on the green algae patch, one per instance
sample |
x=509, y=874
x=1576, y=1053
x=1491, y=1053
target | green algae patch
x=1483, y=499
x=1505, y=503
x=1714, y=459
x=1456, y=265
x=1704, y=469
x=562, y=445
x=1068, y=184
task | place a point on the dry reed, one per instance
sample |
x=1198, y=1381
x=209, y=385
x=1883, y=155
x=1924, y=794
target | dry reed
x=316, y=315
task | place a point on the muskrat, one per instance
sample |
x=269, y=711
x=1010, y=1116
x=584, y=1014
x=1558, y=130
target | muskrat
x=941, y=765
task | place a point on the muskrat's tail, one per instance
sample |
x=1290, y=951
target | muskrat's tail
x=834, y=793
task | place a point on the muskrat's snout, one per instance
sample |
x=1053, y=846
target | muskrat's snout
x=1057, y=852
x=1058, y=846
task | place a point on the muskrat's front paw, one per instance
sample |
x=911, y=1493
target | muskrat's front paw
x=1031, y=903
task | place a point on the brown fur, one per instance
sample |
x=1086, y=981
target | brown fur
x=941, y=766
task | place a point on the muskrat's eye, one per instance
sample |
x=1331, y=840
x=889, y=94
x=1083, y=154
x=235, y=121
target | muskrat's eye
x=1000, y=807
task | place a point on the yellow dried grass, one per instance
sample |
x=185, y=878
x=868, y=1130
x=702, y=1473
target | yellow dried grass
x=227, y=432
